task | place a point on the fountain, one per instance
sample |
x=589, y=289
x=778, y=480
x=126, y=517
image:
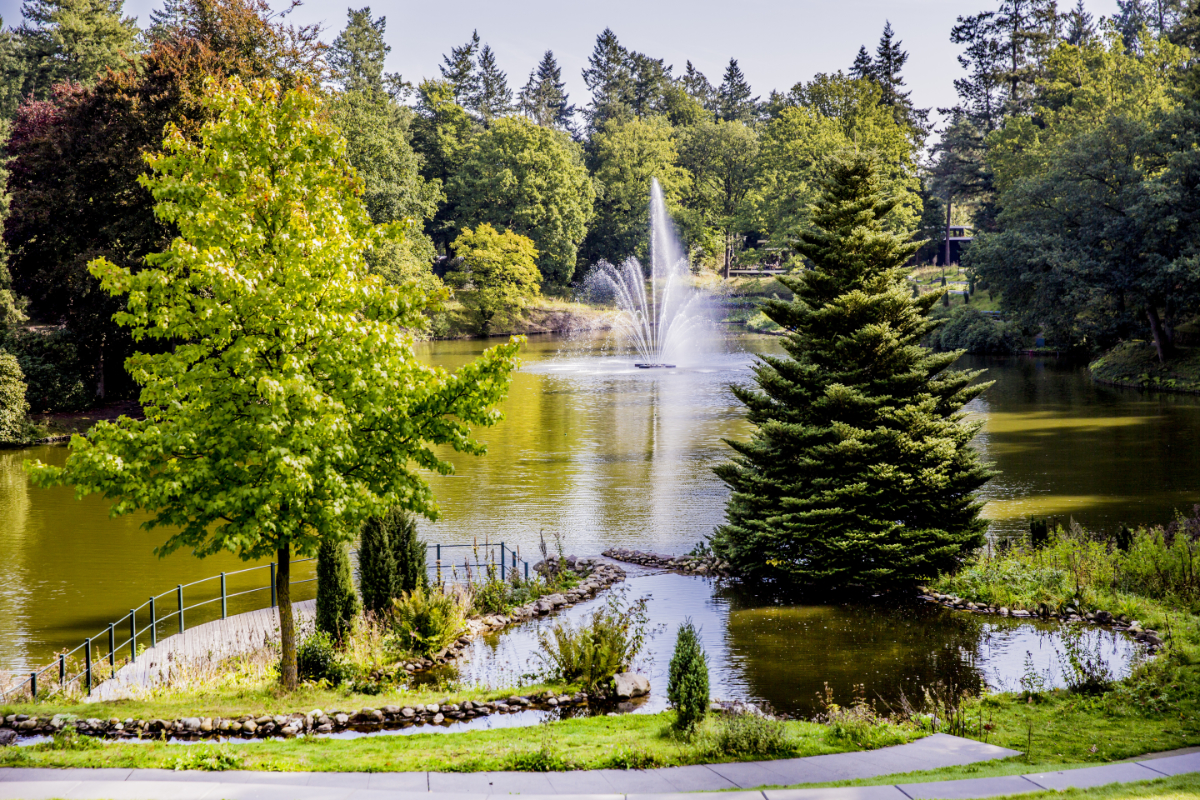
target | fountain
x=666, y=324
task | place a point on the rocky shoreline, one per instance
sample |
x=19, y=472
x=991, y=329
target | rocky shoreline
x=709, y=566
x=1069, y=613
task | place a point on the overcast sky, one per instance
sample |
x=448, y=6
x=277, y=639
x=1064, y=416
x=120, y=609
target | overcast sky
x=776, y=42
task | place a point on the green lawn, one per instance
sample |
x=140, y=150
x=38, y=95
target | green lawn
x=630, y=740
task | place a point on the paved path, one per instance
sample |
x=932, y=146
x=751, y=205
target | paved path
x=201, y=646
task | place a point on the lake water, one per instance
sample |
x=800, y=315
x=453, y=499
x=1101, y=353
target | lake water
x=603, y=454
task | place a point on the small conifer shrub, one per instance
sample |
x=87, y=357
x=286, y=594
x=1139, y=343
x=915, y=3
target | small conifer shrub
x=408, y=552
x=687, y=683
x=336, y=601
x=376, y=566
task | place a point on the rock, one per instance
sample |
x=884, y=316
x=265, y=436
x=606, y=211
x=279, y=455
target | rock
x=1003, y=611
x=391, y=711
x=438, y=719
x=263, y=721
x=206, y=724
x=250, y=726
x=341, y=719
x=432, y=708
x=630, y=684
x=7, y=737
x=407, y=712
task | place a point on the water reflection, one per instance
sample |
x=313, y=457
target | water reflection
x=769, y=649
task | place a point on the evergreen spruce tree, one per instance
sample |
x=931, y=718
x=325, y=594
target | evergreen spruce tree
x=609, y=77
x=408, y=552
x=544, y=97
x=863, y=67
x=336, y=601
x=687, y=680
x=698, y=87
x=733, y=97
x=458, y=69
x=861, y=469
x=357, y=55
x=376, y=566
x=1080, y=28
x=492, y=98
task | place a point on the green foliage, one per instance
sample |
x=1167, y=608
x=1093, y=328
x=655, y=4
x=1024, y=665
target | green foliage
x=337, y=604
x=969, y=330
x=499, y=274
x=545, y=759
x=408, y=552
x=55, y=377
x=317, y=659
x=592, y=652
x=292, y=406
x=1039, y=533
x=209, y=759
x=721, y=157
x=860, y=469
x=72, y=40
x=426, y=622
x=530, y=180
x=377, y=580
x=751, y=735
x=625, y=157
x=13, y=407
x=687, y=682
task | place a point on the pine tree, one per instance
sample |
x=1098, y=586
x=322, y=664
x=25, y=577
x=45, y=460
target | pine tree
x=72, y=40
x=890, y=59
x=733, y=97
x=860, y=470
x=458, y=69
x=698, y=87
x=336, y=601
x=1080, y=28
x=687, y=680
x=357, y=55
x=408, y=552
x=492, y=98
x=544, y=97
x=376, y=566
x=863, y=67
x=609, y=77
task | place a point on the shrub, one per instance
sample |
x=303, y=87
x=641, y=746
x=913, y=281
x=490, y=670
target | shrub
x=593, y=652
x=336, y=602
x=687, y=684
x=376, y=566
x=13, y=408
x=317, y=659
x=751, y=735
x=1085, y=670
x=543, y=759
x=426, y=622
x=966, y=328
x=408, y=552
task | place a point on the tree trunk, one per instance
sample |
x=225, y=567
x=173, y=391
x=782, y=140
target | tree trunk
x=100, y=382
x=1161, y=343
x=949, y=205
x=287, y=623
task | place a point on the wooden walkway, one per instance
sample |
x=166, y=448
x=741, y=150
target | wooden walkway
x=198, y=648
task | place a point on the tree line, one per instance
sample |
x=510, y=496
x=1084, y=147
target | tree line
x=86, y=95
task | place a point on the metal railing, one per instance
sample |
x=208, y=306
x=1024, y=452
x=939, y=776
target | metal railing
x=509, y=564
x=88, y=673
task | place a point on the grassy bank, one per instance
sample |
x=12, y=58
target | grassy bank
x=620, y=742
x=1135, y=364
x=548, y=315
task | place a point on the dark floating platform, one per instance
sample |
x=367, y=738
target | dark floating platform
x=655, y=366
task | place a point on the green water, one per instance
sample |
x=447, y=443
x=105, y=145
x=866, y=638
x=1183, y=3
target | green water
x=603, y=454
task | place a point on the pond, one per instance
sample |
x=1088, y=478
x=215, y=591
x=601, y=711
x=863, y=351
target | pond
x=603, y=454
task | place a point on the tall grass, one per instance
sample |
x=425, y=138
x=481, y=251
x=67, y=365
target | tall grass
x=605, y=644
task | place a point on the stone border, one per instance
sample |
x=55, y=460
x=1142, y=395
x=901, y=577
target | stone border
x=596, y=576
x=708, y=566
x=1068, y=613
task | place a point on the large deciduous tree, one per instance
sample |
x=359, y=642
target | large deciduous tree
x=860, y=470
x=291, y=406
x=497, y=272
x=531, y=180
x=722, y=158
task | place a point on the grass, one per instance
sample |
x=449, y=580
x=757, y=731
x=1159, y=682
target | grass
x=630, y=740
x=1135, y=364
x=545, y=315
x=1177, y=788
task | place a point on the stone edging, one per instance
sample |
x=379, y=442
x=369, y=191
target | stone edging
x=710, y=566
x=1069, y=613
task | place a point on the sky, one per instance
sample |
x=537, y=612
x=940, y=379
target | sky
x=776, y=42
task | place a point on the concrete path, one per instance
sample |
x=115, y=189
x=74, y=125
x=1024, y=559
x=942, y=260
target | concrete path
x=199, y=647
x=671, y=783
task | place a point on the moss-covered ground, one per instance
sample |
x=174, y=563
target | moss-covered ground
x=1135, y=364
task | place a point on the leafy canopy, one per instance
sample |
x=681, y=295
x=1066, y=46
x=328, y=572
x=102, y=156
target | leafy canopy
x=499, y=271
x=290, y=405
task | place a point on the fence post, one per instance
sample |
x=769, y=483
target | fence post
x=33, y=684
x=87, y=663
x=502, y=561
x=273, y=600
x=132, y=635
x=179, y=597
x=526, y=570
x=153, y=625
x=439, y=551
x=62, y=669
x=224, y=608
x=112, y=647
